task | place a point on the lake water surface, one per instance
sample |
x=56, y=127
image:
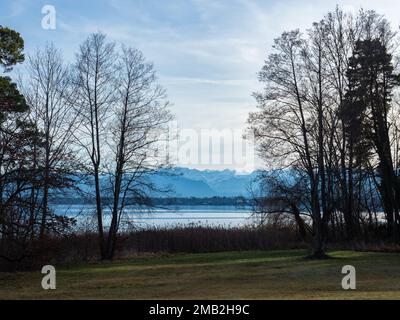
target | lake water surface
x=227, y=216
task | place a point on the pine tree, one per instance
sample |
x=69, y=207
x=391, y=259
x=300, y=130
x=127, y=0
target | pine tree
x=371, y=81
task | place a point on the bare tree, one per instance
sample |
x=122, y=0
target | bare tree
x=123, y=115
x=50, y=96
x=96, y=70
x=285, y=123
x=282, y=193
x=141, y=118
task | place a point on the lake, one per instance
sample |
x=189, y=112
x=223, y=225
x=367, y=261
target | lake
x=170, y=216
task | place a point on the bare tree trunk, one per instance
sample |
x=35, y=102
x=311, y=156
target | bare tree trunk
x=46, y=174
x=96, y=70
x=141, y=116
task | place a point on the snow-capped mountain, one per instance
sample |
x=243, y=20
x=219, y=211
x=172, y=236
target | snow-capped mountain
x=176, y=183
x=187, y=182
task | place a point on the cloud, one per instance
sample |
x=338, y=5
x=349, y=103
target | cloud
x=14, y=9
x=221, y=82
x=207, y=52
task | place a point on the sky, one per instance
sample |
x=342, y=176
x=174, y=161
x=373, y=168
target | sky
x=206, y=52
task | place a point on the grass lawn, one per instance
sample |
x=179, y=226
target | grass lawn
x=227, y=275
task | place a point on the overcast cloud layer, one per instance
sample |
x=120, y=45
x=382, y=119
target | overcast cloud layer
x=207, y=52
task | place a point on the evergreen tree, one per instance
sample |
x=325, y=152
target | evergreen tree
x=11, y=47
x=368, y=101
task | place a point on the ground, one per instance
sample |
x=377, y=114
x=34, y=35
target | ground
x=227, y=275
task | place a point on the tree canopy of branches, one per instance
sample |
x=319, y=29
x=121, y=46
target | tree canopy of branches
x=324, y=110
x=100, y=121
x=123, y=114
x=18, y=140
x=50, y=95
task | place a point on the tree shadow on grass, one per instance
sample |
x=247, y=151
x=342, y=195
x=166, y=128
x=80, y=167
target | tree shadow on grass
x=319, y=256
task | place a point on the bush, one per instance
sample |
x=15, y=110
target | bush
x=83, y=246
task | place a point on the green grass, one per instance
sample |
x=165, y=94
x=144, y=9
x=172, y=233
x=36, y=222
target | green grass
x=227, y=275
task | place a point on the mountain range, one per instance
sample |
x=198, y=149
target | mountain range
x=185, y=182
x=177, y=182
